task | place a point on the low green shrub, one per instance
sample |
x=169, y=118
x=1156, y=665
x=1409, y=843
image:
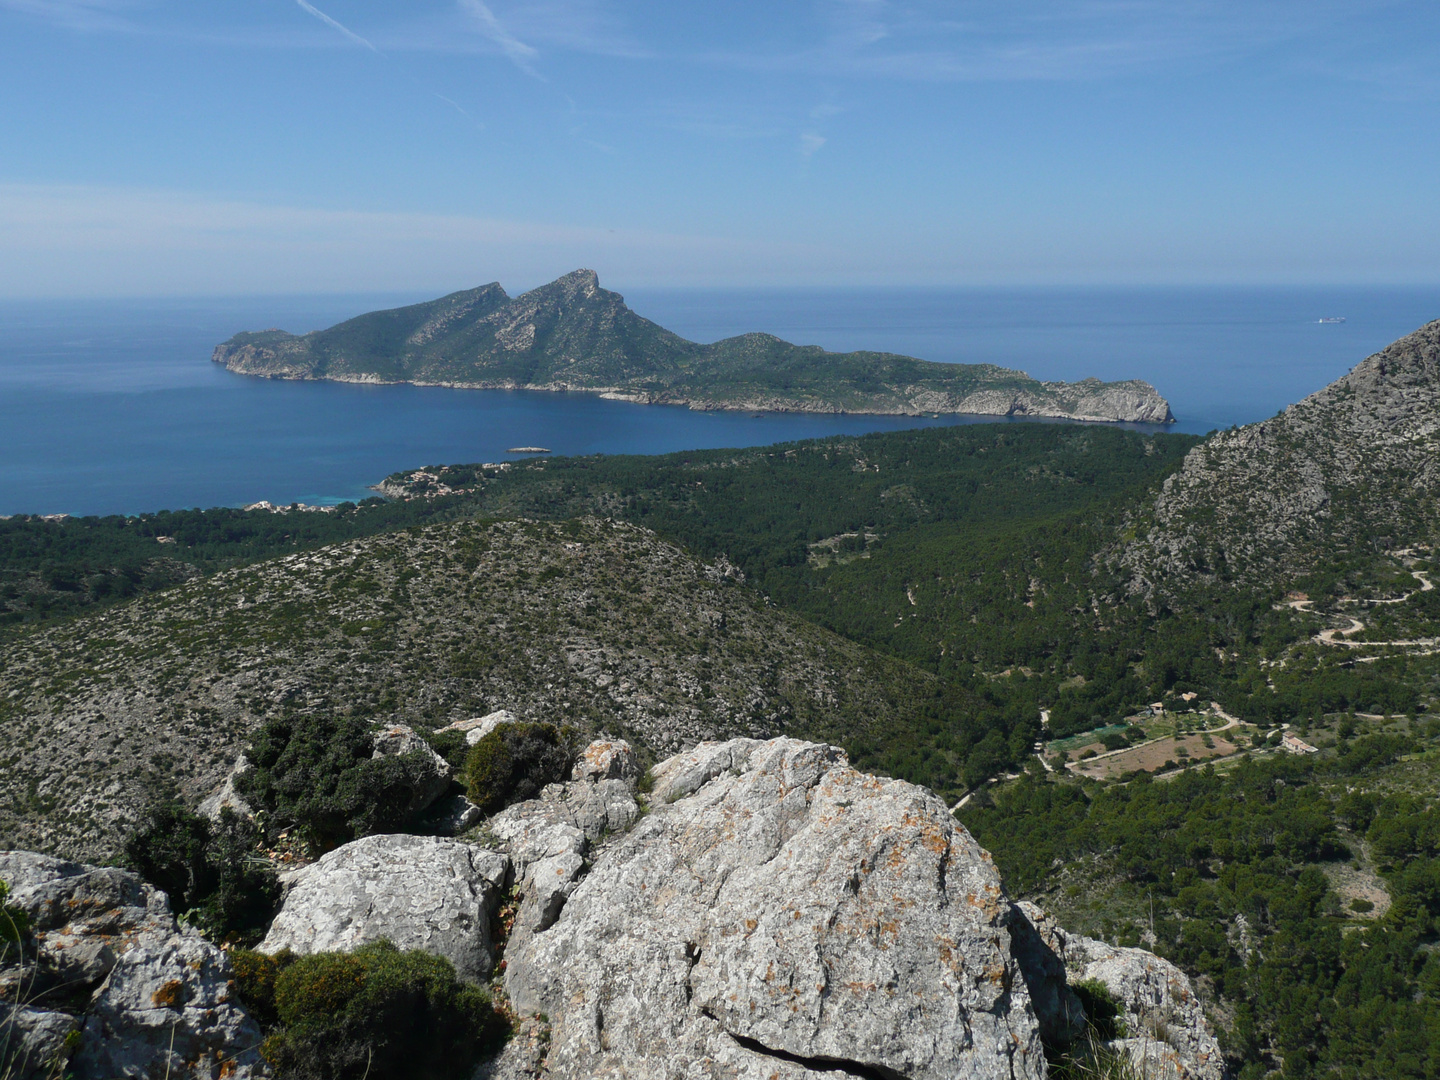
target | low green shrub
x=210, y=870
x=13, y=923
x=450, y=745
x=375, y=1013
x=315, y=775
x=1102, y=1010
x=255, y=976
x=514, y=762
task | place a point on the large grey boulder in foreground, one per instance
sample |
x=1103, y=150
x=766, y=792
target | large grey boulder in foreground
x=783, y=916
x=421, y=892
x=161, y=1004
x=548, y=839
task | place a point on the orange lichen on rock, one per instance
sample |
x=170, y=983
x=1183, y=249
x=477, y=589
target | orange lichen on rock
x=170, y=996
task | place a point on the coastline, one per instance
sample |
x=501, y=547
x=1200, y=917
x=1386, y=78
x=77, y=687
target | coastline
x=997, y=403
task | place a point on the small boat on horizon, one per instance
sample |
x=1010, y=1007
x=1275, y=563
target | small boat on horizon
x=528, y=450
x=1331, y=319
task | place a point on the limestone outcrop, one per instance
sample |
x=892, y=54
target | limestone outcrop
x=33, y=1041
x=550, y=838
x=477, y=727
x=431, y=780
x=607, y=759
x=787, y=916
x=226, y=796
x=1166, y=1035
x=775, y=914
x=161, y=1001
x=421, y=892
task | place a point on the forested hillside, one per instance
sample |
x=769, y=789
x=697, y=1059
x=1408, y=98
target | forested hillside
x=1236, y=769
x=901, y=541
x=1304, y=891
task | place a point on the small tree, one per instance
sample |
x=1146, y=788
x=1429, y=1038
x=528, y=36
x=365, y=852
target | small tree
x=514, y=763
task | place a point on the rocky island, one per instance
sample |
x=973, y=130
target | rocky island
x=574, y=335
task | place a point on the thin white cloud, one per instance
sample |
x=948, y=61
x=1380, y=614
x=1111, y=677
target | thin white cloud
x=978, y=40
x=328, y=21
x=86, y=15
x=584, y=26
x=484, y=19
x=457, y=107
x=810, y=142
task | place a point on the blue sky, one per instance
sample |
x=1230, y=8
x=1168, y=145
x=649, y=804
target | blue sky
x=157, y=147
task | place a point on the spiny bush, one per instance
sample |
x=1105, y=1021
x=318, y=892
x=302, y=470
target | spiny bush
x=255, y=974
x=514, y=762
x=450, y=745
x=376, y=1012
x=315, y=774
x=208, y=869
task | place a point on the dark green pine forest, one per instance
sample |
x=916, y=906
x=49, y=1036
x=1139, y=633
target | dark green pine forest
x=1071, y=713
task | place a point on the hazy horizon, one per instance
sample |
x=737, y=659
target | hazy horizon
x=154, y=148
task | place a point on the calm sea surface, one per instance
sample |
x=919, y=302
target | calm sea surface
x=116, y=408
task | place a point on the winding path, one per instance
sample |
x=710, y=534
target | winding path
x=1335, y=636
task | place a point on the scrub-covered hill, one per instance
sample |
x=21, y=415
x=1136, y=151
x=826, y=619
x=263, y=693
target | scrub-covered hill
x=1350, y=468
x=593, y=624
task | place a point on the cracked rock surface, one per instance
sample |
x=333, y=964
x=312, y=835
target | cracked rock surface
x=421, y=892
x=161, y=1004
x=549, y=839
x=782, y=916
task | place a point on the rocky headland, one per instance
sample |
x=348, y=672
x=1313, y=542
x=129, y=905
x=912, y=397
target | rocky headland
x=572, y=335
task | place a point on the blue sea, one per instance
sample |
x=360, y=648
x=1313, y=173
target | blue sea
x=115, y=407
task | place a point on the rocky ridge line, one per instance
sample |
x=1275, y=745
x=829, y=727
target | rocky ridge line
x=1357, y=460
x=600, y=622
x=572, y=335
x=775, y=915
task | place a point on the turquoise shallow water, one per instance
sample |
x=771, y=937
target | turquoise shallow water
x=115, y=407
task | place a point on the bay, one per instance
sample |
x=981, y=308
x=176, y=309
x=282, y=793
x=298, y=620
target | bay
x=115, y=407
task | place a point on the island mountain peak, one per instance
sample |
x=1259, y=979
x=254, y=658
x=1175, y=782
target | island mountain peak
x=574, y=335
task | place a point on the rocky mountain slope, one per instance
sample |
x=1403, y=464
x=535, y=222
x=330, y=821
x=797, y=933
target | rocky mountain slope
x=574, y=335
x=594, y=624
x=1351, y=467
x=775, y=915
